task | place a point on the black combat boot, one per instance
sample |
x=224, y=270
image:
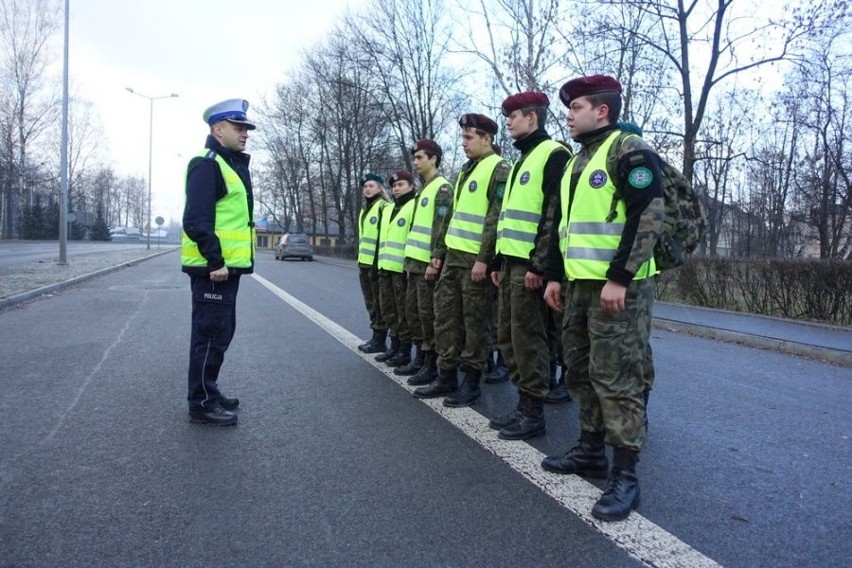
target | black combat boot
x=558, y=391
x=428, y=372
x=529, y=424
x=621, y=495
x=403, y=356
x=390, y=352
x=587, y=458
x=369, y=342
x=468, y=392
x=498, y=373
x=379, y=342
x=500, y=422
x=414, y=365
x=445, y=383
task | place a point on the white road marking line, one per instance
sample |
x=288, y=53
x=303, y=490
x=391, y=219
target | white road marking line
x=640, y=538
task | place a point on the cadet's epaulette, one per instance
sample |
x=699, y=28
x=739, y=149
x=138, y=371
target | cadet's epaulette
x=210, y=155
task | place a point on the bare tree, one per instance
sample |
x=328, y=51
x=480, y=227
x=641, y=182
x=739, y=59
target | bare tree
x=402, y=46
x=820, y=93
x=708, y=45
x=28, y=105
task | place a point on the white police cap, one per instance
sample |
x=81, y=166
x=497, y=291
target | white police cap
x=232, y=110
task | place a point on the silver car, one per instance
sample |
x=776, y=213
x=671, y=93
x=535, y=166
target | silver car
x=294, y=245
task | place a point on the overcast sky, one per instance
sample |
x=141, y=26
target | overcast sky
x=203, y=50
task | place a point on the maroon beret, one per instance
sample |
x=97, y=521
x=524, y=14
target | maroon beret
x=429, y=146
x=401, y=175
x=524, y=100
x=591, y=85
x=479, y=122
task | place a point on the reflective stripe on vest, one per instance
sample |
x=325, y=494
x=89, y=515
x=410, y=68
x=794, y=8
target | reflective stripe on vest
x=236, y=236
x=470, y=207
x=588, y=242
x=368, y=233
x=394, y=235
x=522, y=205
x=418, y=244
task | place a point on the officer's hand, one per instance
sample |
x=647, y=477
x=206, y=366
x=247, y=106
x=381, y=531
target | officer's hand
x=431, y=273
x=612, y=297
x=478, y=272
x=553, y=296
x=533, y=281
x=220, y=275
x=436, y=263
x=496, y=276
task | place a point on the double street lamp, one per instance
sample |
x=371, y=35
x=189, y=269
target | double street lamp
x=150, y=146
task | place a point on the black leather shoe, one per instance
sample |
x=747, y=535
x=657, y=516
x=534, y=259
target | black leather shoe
x=228, y=403
x=215, y=416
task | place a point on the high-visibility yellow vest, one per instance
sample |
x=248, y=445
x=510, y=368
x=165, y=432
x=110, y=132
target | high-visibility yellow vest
x=522, y=205
x=470, y=207
x=232, y=227
x=368, y=231
x=588, y=241
x=394, y=235
x=418, y=245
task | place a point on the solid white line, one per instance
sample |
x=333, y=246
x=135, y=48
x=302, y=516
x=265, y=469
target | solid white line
x=640, y=538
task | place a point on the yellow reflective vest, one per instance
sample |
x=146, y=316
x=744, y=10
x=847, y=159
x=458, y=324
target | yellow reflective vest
x=522, y=205
x=394, y=235
x=470, y=207
x=233, y=225
x=418, y=245
x=368, y=231
x=588, y=241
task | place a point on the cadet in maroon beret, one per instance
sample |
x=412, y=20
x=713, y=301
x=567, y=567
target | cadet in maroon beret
x=434, y=201
x=463, y=294
x=522, y=242
x=610, y=213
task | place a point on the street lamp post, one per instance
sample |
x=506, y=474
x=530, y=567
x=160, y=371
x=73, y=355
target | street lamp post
x=150, y=146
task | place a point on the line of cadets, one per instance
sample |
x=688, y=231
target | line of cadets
x=459, y=273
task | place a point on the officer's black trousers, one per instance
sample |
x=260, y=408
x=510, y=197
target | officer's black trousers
x=214, y=319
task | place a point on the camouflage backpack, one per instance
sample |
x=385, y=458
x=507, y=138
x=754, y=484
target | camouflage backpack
x=684, y=223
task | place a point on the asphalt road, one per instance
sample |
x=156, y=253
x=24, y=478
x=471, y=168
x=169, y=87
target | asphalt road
x=335, y=464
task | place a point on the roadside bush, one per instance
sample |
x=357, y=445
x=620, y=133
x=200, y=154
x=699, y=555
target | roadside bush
x=816, y=290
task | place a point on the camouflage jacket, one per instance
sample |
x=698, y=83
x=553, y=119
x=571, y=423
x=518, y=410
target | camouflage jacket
x=443, y=210
x=645, y=208
x=496, y=188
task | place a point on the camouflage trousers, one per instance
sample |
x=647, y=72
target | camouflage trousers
x=392, y=299
x=369, y=278
x=605, y=357
x=522, y=332
x=461, y=319
x=420, y=310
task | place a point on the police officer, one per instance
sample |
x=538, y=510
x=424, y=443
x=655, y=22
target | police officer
x=217, y=247
x=396, y=224
x=369, y=222
x=608, y=221
x=463, y=292
x=522, y=242
x=434, y=204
